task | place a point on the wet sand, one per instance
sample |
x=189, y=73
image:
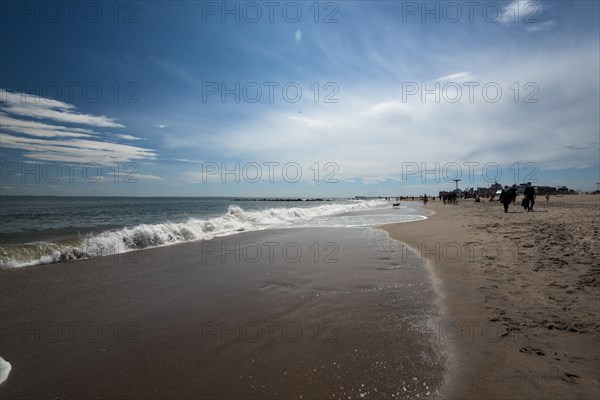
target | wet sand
x=520, y=293
x=298, y=313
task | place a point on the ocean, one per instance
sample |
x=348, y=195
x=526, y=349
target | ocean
x=346, y=312
x=45, y=230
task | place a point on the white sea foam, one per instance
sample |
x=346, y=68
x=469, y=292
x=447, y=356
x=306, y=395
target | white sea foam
x=5, y=368
x=235, y=220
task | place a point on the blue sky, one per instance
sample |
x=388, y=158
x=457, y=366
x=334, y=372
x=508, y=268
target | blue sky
x=297, y=98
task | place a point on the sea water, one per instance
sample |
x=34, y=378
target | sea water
x=43, y=230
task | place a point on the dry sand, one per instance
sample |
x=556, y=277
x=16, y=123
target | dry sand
x=520, y=293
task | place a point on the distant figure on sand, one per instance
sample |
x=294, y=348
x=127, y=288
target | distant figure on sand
x=530, y=196
x=506, y=198
x=513, y=192
x=547, y=197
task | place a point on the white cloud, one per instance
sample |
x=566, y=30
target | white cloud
x=386, y=108
x=519, y=11
x=458, y=77
x=76, y=150
x=370, y=137
x=542, y=26
x=43, y=108
x=44, y=141
x=311, y=123
x=185, y=160
x=128, y=137
x=40, y=129
x=527, y=12
x=148, y=177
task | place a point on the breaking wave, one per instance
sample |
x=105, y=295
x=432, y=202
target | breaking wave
x=142, y=236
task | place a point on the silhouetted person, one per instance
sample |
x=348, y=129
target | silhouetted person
x=506, y=198
x=513, y=192
x=530, y=196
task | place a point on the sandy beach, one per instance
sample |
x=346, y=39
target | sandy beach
x=470, y=303
x=519, y=294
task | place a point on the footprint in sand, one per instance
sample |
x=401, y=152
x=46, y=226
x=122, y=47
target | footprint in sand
x=532, y=350
x=561, y=326
x=569, y=378
x=559, y=285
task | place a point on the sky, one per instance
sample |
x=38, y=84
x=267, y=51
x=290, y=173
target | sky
x=298, y=98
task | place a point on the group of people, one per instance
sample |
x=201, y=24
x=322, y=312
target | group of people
x=509, y=195
x=449, y=198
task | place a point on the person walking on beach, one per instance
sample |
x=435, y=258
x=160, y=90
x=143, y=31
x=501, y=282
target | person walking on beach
x=506, y=198
x=513, y=192
x=547, y=197
x=530, y=196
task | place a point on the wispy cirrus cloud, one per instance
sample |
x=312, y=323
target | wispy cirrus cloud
x=40, y=129
x=369, y=137
x=28, y=124
x=179, y=72
x=527, y=12
x=386, y=108
x=128, y=137
x=146, y=177
x=309, y=122
x=459, y=77
x=542, y=26
x=75, y=150
x=44, y=108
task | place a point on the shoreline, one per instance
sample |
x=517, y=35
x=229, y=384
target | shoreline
x=519, y=296
x=516, y=321
x=29, y=248
x=214, y=320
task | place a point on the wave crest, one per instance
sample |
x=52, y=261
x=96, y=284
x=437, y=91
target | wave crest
x=143, y=236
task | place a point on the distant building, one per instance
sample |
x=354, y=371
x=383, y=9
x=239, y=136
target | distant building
x=543, y=190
